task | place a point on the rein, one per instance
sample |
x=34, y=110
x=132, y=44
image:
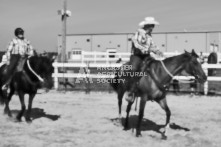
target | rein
x=171, y=75
x=39, y=77
x=168, y=72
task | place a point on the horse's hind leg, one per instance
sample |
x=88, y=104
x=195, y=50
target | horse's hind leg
x=141, y=114
x=127, y=117
x=27, y=116
x=20, y=114
x=164, y=106
x=7, y=100
x=120, y=97
x=2, y=98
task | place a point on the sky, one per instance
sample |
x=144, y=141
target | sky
x=42, y=24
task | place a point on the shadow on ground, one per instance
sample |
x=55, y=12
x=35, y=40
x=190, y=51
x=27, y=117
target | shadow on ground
x=37, y=113
x=146, y=125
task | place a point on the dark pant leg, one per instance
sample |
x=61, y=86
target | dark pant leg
x=136, y=66
x=20, y=64
x=136, y=63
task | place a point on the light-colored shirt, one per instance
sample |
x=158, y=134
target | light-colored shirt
x=21, y=47
x=143, y=41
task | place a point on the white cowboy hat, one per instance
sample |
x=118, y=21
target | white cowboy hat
x=148, y=20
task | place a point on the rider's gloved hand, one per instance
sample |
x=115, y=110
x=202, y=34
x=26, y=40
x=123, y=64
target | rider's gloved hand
x=145, y=51
x=159, y=53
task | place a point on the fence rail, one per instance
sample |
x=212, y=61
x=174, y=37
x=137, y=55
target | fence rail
x=105, y=57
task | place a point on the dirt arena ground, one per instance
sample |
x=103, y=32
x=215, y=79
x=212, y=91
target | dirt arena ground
x=76, y=119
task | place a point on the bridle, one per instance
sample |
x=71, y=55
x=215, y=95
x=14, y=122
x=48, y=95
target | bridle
x=171, y=75
x=167, y=71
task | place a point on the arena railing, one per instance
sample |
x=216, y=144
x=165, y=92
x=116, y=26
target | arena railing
x=106, y=57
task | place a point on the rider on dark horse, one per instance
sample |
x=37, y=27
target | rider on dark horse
x=142, y=45
x=18, y=46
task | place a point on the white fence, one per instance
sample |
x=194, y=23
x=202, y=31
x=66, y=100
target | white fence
x=104, y=57
x=58, y=75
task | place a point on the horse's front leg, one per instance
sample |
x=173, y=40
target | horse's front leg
x=164, y=106
x=21, y=97
x=7, y=100
x=127, y=117
x=141, y=114
x=27, y=117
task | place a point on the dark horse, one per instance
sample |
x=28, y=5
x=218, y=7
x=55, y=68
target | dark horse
x=152, y=87
x=37, y=73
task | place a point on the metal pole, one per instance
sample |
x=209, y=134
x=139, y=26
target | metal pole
x=64, y=23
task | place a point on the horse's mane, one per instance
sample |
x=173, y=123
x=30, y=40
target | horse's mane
x=182, y=57
x=41, y=63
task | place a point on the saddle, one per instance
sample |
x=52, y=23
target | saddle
x=21, y=63
x=146, y=63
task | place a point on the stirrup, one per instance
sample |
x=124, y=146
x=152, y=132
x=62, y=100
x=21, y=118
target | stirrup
x=129, y=97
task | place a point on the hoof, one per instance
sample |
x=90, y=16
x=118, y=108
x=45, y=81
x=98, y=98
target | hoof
x=164, y=137
x=28, y=120
x=126, y=128
x=5, y=112
x=163, y=130
x=138, y=135
x=9, y=114
x=18, y=119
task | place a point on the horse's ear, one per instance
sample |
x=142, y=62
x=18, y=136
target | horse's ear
x=53, y=59
x=186, y=52
x=194, y=53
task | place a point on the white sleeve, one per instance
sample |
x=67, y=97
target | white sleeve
x=9, y=49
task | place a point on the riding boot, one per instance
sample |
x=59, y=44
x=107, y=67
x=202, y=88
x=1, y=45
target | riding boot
x=136, y=64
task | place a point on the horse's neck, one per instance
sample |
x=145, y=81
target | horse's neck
x=29, y=71
x=174, y=65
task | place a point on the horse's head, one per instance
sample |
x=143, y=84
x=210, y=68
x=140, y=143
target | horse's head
x=43, y=67
x=47, y=70
x=193, y=67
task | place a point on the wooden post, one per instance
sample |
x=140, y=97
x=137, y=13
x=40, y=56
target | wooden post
x=55, y=75
x=206, y=83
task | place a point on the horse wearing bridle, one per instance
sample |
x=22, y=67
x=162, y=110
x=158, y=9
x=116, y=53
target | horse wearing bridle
x=37, y=73
x=153, y=86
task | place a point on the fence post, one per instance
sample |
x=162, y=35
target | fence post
x=87, y=79
x=205, y=69
x=95, y=58
x=82, y=57
x=107, y=57
x=55, y=75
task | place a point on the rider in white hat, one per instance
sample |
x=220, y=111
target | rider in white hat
x=142, y=45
